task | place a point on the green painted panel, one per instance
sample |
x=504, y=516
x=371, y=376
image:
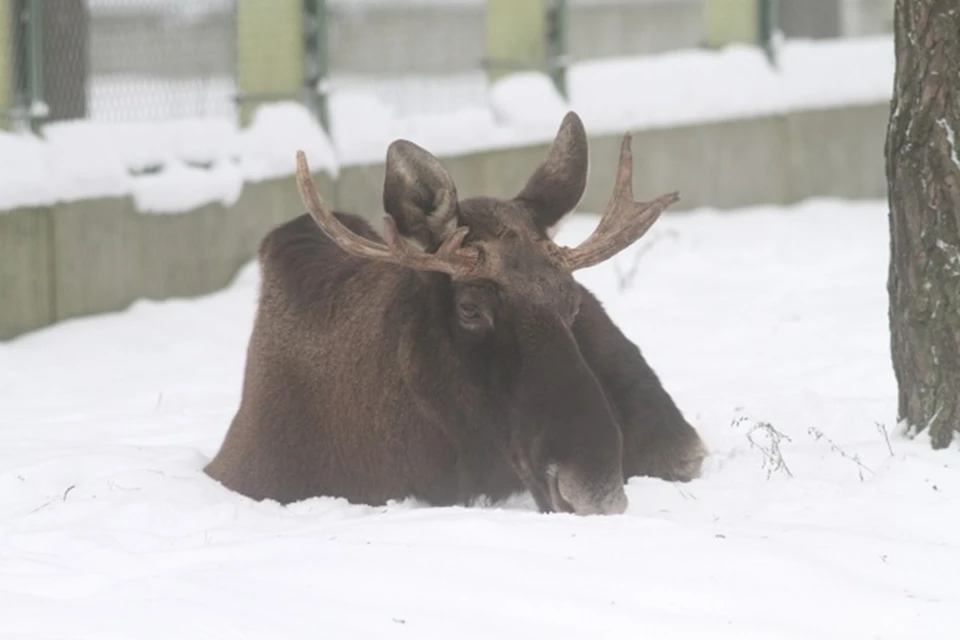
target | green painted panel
x=269, y=49
x=516, y=35
x=729, y=21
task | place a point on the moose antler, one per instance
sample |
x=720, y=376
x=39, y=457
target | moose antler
x=451, y=258
x=623, y=221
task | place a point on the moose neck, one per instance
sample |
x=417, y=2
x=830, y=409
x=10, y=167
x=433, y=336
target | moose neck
x=558, y=397
x=450, y=375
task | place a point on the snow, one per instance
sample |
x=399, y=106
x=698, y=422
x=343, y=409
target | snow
x=615, y=94
x=277, y=129
x=696, y=86
x=168, y=166
x=767, y=315
x=450, y=116
x=528, y=99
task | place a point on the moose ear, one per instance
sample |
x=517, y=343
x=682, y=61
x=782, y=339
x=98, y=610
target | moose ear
x=419, y=194
x=558, y=184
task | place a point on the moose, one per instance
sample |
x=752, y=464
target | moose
x=453, y=357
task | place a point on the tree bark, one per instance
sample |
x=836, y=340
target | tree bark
x=923, y=175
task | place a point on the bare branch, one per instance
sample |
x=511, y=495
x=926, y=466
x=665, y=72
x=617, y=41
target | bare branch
x=819, y=435
x=773, y=460
x=886, y=436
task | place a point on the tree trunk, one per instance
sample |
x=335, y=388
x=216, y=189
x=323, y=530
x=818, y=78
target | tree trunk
x=923, y=175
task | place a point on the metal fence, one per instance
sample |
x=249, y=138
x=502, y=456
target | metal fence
x=153, y=59
x=416, y=56
x=121, y=60
x=137, y=60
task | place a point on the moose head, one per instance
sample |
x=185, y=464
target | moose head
x=461, y=322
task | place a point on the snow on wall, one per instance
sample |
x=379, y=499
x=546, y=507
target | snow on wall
x=167, y=166
x=177, y=165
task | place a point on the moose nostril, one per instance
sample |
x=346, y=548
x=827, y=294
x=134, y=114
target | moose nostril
x=617, y=503
x=591, y=500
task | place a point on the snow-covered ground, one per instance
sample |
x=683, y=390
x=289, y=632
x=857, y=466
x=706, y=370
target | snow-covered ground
x=108, y=529
x=179, y=164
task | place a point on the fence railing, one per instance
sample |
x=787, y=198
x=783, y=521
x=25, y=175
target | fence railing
x=141, y=60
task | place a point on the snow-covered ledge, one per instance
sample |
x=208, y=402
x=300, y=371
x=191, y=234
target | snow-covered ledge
x=93, y=217
x=99, y=254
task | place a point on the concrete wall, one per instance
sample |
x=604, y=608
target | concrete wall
x=26, y=271
x=725, y=164
x=94, y=256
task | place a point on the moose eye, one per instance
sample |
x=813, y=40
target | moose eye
x=476, y=307
x=469, y=311
x=473, y=316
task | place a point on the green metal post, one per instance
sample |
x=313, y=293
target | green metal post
x=769, y=15
x=516, y=37
x=729, y=21
x=557, y=55
x=317, y=59
x=270, y=53
x=6, y=63
x=35, y=108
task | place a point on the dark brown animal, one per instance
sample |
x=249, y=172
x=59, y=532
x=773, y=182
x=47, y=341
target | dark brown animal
x=456, y=357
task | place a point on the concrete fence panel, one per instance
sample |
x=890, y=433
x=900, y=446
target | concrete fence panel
x=97, y=261
x=837, y=152
x=100, y=255
x=26, y=266
x=721, y=164
x=95, y=256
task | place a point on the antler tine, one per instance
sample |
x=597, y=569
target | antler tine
x=450, y=258
x=622, y=189
x=323, y=216
x=623, y=222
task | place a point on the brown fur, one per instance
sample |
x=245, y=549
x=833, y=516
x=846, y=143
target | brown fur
x=371, y=381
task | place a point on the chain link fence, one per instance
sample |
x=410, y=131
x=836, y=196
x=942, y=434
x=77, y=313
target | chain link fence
x=153, y=59
x=415, y=56
x=146, y=60
x=120, y=60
